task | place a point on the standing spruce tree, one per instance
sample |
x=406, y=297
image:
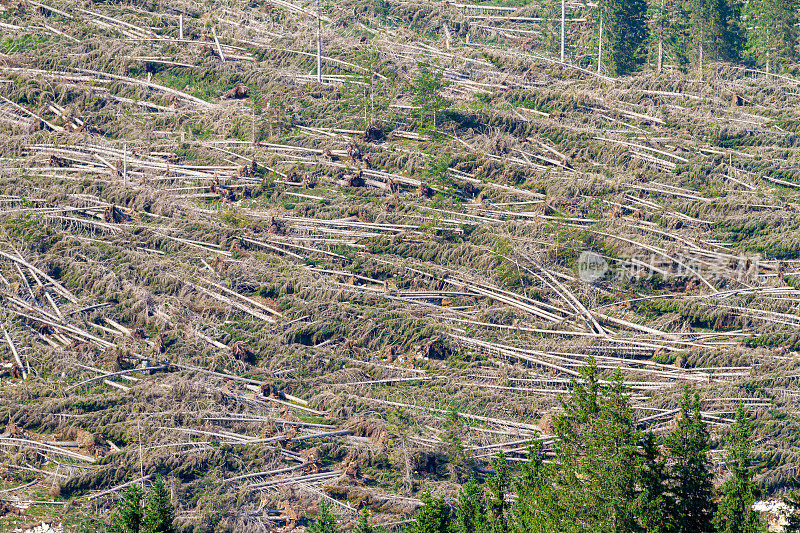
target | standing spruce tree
x=597, y=448
x=128, y=516
x=324, y=522
x=159, y=514
x=624, y=35
x=705, y=29
x=792, y=514
x=669, y=33
x=735, y=512
x=772, y=34
x=735, y=36
x=715, y=30
x=497, y=506
x=688, y=446
x=457, y=462
x=656, y=505
x=363, y=525
x=537, y=502
x=471, y=509
x=432, y=517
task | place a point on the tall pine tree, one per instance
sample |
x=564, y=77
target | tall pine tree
x=772, y=31
x=624, y=35
x=129, y=514
x=536, y=508
x=688, y=446
x=655, y=503
x=598, y=449
x=735, y=512
x=497, y=506
x=432, y=517
x=471, y=509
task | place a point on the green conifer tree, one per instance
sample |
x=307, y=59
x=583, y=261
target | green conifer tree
x=497, y=506
x=614, y=459
x=735, y=36
x=692, y=486
x=471, y=509
x=536, y=509
x=128, y=515
x=772, y=34
x=655, y=503
x=429, y=98
x=792, y=514
x=363, y=525
x=597, y=446
x=669, y=33
x=324, y=521
x=715, y=30
x=735, y=512
x=457, y=461
x=159, y=514
x=432, y=517
x=624, y=35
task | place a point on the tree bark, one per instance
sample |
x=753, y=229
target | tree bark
x=600, y=47
x=319, y=43
x=563, y=22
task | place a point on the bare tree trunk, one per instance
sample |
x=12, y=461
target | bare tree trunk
x=181, y=26
x=701, y=54
x=219, y=46
x=15, y=353
x=600, y=47
x=372, y=88
x=563, y=23
x=661, y=37
x=407, y=478
x=141, y=461
x=319, y=43
x=125, y=164
x=270, y=117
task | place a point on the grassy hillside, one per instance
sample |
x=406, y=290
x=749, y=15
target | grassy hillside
x=275, y=292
